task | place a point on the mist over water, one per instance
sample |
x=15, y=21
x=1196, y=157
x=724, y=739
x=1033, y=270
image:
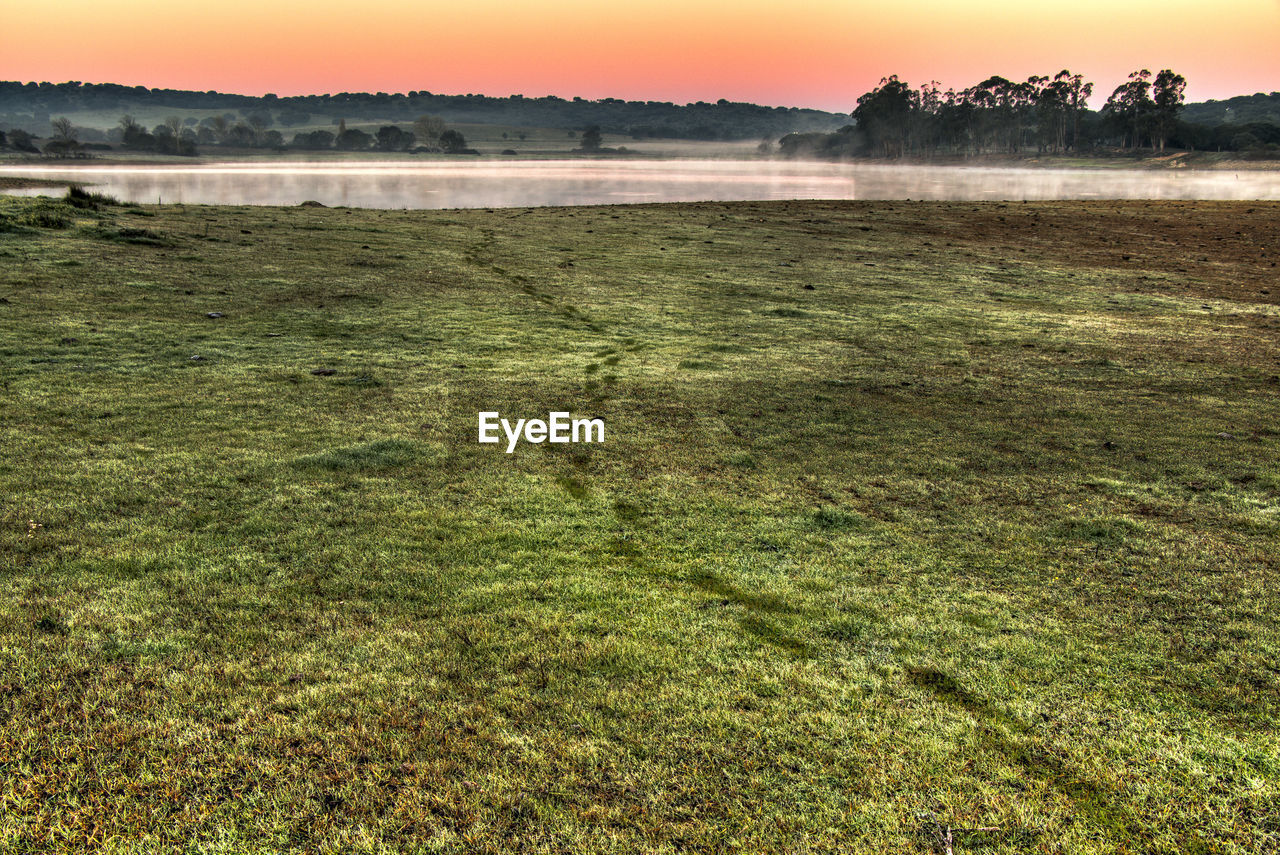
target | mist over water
x=490, y=184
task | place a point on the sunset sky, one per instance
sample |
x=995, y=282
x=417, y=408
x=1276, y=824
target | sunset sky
x=812, y=53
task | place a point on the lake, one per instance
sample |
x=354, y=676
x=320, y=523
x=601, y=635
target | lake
x=498, y=184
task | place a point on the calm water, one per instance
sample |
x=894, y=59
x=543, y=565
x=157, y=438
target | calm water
x=493, y=184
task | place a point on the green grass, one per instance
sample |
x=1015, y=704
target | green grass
x=979, y=533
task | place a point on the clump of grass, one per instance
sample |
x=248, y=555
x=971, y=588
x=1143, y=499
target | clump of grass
x=837, y=519
x=139, y=237
x=1099, y=531
x=362, y=381
x=44, y=216
x=78, y=197
x=574, y=487
x=368, y=457
x=851, y=629
x=51, y=625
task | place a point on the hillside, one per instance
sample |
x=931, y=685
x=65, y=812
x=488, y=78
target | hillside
x=31, y=106
x=1242, y=109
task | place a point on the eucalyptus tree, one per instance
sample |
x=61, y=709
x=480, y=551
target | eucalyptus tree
x=1130, y=106
x=1078, y=91
x=884, y=115
x=1052, y=113
x=925, y=132
x=1167, y=97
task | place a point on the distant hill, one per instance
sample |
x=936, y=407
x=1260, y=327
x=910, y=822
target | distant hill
x=32, y=105
x=1240, y=110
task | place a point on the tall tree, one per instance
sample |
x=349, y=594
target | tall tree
x=1053, y=107
x=1131, y=106
x=999, y=98
x=1167, y=95
x=1078, y=92
x=64, y=142
x=884, y=115
x=428, y=129
x=924, y=132
x=63, y=129
x=221, y=127
x=134, y=135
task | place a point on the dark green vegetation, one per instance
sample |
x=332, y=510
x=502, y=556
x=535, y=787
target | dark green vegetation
x=996, y=116
x=1041, y=115
x=910, y=517
x=1261, y=108
x=723, y=120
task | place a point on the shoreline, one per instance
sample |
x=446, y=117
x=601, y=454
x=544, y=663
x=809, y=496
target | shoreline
x=1194, y=161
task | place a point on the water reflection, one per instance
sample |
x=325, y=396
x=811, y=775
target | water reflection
x=489, y=184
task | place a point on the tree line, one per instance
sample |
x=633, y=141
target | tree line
x=721, y=120
x=1042, y=115
x=179, y=136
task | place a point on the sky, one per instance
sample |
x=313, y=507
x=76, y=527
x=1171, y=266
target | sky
x=805, y=53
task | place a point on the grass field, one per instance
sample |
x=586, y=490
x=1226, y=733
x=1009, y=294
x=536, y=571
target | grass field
x=914, y=524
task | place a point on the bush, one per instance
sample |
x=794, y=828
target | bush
x=392, y=138
x=313, y=140
x=1263, y=151
x=353, y=140
x=23, y=141
x=453, y=142
x=64, y=148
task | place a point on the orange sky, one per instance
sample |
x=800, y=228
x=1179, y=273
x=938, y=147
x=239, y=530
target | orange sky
x=819, y=53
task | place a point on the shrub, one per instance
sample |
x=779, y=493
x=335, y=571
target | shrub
x=313, y=140
x=23, y=141
x=353, y=140
x=453, y=142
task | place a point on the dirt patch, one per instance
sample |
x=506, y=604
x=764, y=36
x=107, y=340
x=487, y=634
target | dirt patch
x=1218, y=250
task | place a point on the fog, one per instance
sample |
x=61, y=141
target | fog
x=494, y=184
